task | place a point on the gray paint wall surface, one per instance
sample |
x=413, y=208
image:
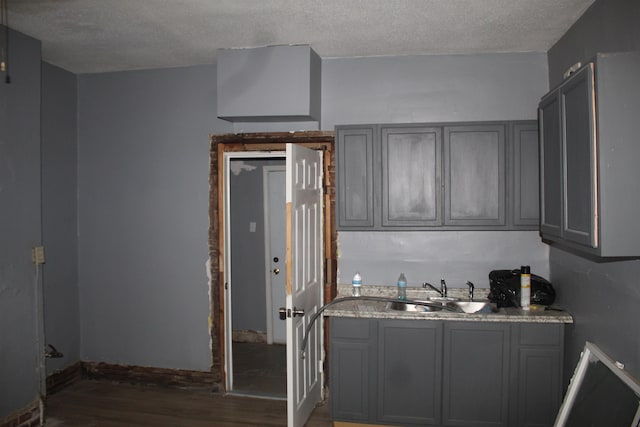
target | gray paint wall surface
x=607, y=26
x=143, y=215
x=428, y=256
x=438, y=88
x=59, y=214
x=20, y=227
x=602, y=296
x=432, y=88
x=248, y=248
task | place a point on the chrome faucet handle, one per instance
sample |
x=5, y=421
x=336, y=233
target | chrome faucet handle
x=471, y=288
x=429, y=285
x=443, y=287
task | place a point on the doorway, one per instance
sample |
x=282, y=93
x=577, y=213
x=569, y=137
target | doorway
x=252, y=145
x=256, y=223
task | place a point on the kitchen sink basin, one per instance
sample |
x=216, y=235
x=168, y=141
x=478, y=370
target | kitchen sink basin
x=419, y=306
x=471, y=307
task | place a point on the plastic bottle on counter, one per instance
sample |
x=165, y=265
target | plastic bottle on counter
x=356, y=283
x=402, y=287
x=525, y=287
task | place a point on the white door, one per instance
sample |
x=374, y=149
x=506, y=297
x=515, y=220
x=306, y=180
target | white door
x=275, y=250
x=304, y=281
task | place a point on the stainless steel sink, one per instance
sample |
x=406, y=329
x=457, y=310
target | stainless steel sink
x=471, y=307
x=443, y=300
x=419, y=306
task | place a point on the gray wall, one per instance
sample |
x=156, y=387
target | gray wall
x=439, y=88
x=59, y=214
x=247, y=251
x=20, y=227
x=143, y=215
x=602, y=296
x=607, y=26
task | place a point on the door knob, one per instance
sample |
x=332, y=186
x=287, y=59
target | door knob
x=284, y=313
x=276, y=270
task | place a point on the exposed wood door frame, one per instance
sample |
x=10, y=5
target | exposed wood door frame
x=247, y=142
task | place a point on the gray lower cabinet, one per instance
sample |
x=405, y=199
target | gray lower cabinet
x=476, y=374
x=352, y=365
x=536, y=374
x=444, y=373
x=409, y=374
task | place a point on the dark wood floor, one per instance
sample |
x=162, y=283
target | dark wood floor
x=260, y=369
x=103, y=404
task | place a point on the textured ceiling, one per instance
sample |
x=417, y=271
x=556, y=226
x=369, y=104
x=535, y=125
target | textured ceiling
x=88, y=36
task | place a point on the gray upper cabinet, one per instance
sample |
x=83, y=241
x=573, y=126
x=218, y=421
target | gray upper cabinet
x=579, y=157
x=589, y=155
x=474, y=164
x=355, y=171
x=435, y=176
x=411, y=187
x=524, y=190
x=550, y=166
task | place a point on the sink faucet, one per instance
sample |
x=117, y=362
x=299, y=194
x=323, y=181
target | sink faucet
x=471, y=288
x=443, y=288
x=429, y=285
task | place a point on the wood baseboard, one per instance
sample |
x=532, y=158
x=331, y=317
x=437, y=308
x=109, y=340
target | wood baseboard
x=149, y=375
x=63, y=378
x=29, y=416
x=346, y=424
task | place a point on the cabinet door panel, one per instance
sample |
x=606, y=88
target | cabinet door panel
x=475, y=176
x=354, y=173
x=550, y=166
x=579, y=158
x=526, y=191
x=352, y=347
x=409, y=374
x=476, y=374
x=539, y=389
x=411, y=159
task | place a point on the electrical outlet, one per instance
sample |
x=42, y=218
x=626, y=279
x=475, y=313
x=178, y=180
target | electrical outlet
x=37, y=255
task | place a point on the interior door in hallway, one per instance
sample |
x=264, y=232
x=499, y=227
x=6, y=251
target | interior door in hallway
x=275, y=239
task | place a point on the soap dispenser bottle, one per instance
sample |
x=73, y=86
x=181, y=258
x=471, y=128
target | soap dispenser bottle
x=525, y=287
x=402, y=287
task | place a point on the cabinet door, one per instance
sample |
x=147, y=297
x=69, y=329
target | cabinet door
x=409, y=374
x=474, y=164
x=525, y=194
x=411, y=165
x=476, y=374
x=352, y=350
x=537, y=374
x=550, y=166
x=354, y=174
x=579, y=155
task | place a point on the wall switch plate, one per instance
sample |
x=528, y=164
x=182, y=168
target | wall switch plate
x=252, y=227
x=37, y=255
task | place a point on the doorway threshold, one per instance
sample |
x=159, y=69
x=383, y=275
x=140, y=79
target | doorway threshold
x=256, y=395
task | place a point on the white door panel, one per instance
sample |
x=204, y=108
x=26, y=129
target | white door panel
x=304, y=281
